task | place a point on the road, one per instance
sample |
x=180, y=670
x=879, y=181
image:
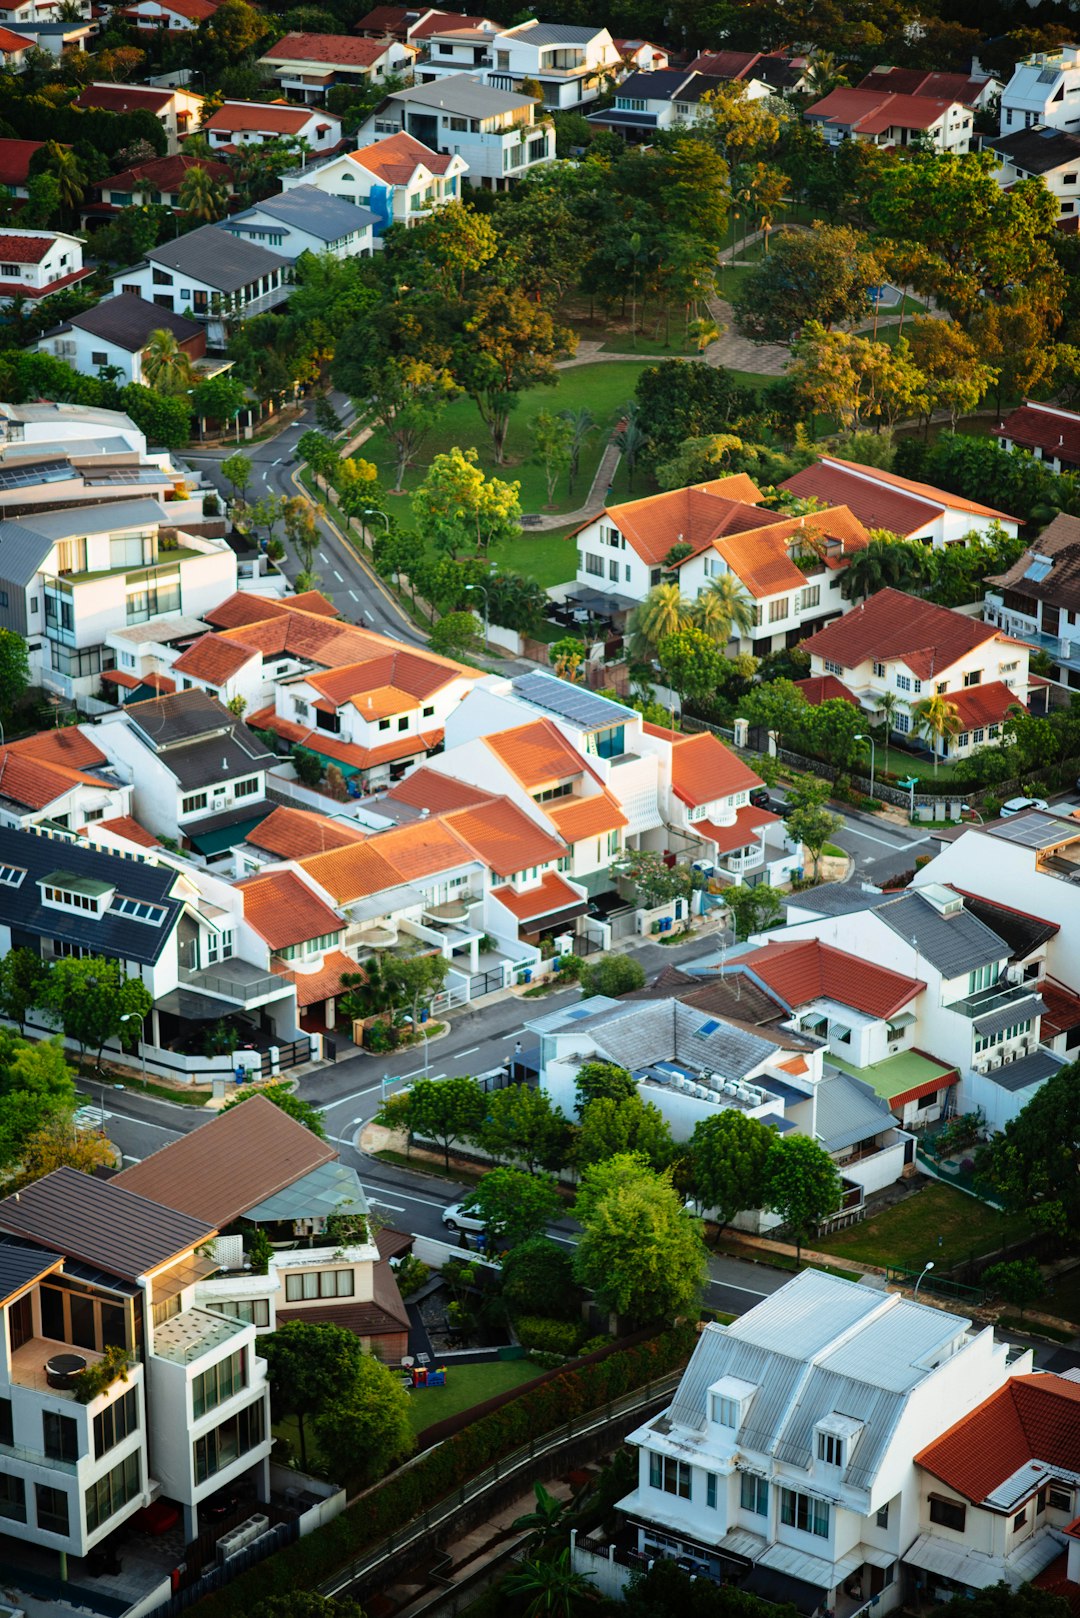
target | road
x=880, y=848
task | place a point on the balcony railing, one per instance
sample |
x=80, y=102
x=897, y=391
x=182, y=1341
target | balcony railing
x=37, y=1457
x=234, y=980
x=985, y=1001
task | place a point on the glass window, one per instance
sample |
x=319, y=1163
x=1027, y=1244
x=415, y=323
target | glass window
x=82, y=1321
x=710, y=1490
x=192, y=803
x=52, y=1509
x=310, y=1284
x=805, y=1512
x=725, y=1411
x=12, y=1498
x=61, y=1436
x=7, y=1433
x=115, y=1422
x=830, y=1449
x=255, y=1311
x=228, y=1442
x=948, y=1513
x=670, y=1475
x=754, y=1494
x=105, y=1497
x=219, y=1383
x=52, y=1314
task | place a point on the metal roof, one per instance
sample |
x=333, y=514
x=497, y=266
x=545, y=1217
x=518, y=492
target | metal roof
x=27, y=541
x=566, y=1018
x=834, y=899
x=1027, y=1073
x=650, y=1031
x=1017, y=1011
x=213, y=256
x=1034, y=829
x=552, y=33
x=309, y=209
x=953, y=944
x=847, y=1111
x=101, y=1223
x=570, y=702
x=331, y=1188
x=462, y=94
x=128, y=320
x=20, y=1264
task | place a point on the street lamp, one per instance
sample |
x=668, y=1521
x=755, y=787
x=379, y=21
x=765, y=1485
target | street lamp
x=873, y=756
x=369, y=511
x=966, y=809
x=483, y=591
x=927, y=1267
x=133, y=1016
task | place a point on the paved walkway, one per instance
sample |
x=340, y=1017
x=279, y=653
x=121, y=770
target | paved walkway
x=594, y=500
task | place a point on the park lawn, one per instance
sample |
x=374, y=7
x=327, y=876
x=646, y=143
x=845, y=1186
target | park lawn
x=906, y=1235
x=466, y=1385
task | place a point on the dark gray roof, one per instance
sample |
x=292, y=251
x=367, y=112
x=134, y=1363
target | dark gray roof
x=1022, y=933
x=25, y=543
x=953, y=944
x=20, y=1263
x=462, y=94
x=98, y=1222
x=128, y=320
x=651, y=1031
x=1028, y=1071
x=1037, y=151
x=309, y=209
x=834, y=899
x=848, y=1111
x=661, y=86
x=1016, y=1011
x=114, y=935
x=553, y=33
x=571, y=702
x=198, y=739
x=180, y=717
x=213, y=256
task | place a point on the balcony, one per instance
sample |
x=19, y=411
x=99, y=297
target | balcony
x=985, y=1001
x=743, y=859
x=37, y=1457
x=235, y=980
x=28, y=1364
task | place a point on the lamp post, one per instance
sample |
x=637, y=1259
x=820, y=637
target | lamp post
x=133, y=1016
x=873, y=757
x=927, y=1267
x=911, y=783
x=369, y=511
x=966, y=809
x=483, y=591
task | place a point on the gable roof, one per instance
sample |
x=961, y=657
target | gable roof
x=15, y=155
x=397, y=158
x=1059, y=543
x=217, y=258
x=306, y=208
x=1032, y=1418
x=10, y=44
x=214, y=659
x=338, y=50
x=31, y=783
x=294, y=833
x=126, y=98
x=980, y=705
x=551, y=895
x=284, y=910
x=426, y=788
x=1056, y=432
x=1037, y=151
x=166, y=173
x=894, y=627
x=817, y=688
x=873, y=112
x=917, y=81
x=577, y=818
x=504, y=837
x=388, y=859
x=26, y=541
x=24, y=247
x=806, y=969
x=703, y=769
x=536, y=753
x=694, y=515
x=127, y=321
x=760, y=557
x=274, y=117
x=883, y=499
x=127, y=826
x=229, y=1164
x=953, y=944
x=244, y=608
x=725, y=64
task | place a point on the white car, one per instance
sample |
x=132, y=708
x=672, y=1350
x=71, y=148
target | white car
x=456, y=1218
x=1016, y=806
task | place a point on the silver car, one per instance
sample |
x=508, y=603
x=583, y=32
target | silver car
x=456, y=1218
x=1016, y=806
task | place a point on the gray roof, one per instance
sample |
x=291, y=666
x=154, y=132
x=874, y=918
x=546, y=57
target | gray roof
x=953, y=944
x=567, y=1018
x=649, y=1031
x=848, y=1111
x=553, y=33
x=102, y=1224
x=580, y=707
x=199, y=741
x=834, y=899
x=213, y=256
x=20, y=1264
x=127, y=321
x=659, y=86
x=464, y=95
x=26, y=541
x=1028, y=1072
x=309, y=209
x=58, y=412
x=1016, y=1011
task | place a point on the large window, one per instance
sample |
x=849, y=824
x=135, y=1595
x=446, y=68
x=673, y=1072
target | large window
x=255, y=1311
x=311, y=1284
x=608, y=743
x=52, y=1509
x=7, y=1430
x=804, y=1512
x=670, y=1475
x=61, y=1436
x=754, y=1494
x=105, y=1497
x=948, y=1513
x=12, y=1498
x=116, y=1422
x=982, y=977
x=219, y=1383
x=228, y=1442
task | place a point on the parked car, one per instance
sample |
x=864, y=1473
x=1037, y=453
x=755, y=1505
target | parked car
x=779, y=807
x=456, y=1218
x=1016, y=806
x=759, y=797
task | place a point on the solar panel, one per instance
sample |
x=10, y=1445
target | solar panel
x=21, y=477
x=569, y=701
x=1038, y=568
x=1037, y=831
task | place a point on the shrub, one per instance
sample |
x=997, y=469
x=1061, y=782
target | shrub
x=552, y=1336
x=612, y=975
x=411, y=1273
x=546, y=1361
x=538, y=1277
x=381, y=1036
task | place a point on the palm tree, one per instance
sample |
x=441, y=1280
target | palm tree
x=823, y=73
x=202, y=196
x=885, y=562
x=888, y=703
x=550, y=1589
x=702, y=332
x=664, y=612
x=546, y=1520
x=723, y=608
x=936, y=718
x=630, y=440
x=582, y=428
x=165, y=366
x=69, y=175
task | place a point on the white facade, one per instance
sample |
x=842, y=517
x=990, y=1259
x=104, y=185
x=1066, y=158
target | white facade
x=812, y=597
x=570, y=64
x=285, y=231
x=37, y=262
x=363, y=178
x=495, y=132
x=1044, y=90
x=307, y=73
x=239, y=123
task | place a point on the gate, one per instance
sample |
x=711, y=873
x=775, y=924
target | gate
x=623, y=923
x=485, y=982
x=290, y=1054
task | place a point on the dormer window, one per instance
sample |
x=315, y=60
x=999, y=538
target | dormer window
x=64, y=890
x=729, y=1400
x=830, y=1449
x=836, y=1438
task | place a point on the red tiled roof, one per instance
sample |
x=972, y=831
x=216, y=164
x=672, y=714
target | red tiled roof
x=295, y=833
x=577, y=818
x=894, y=627
x=1062, y=1008
x=9, y=289
x=692, y=516
x=536, y=753
x=15, y=155
x=916, y=81
x=283, y=910
x=192, y=10
x=10, y=44
x=124, y=98
x=397, y=158
x=413, y=674
x=1056, y=432
x=724, y=64
x=25, y=249
x=883, y=499
x=31, y=784
x=551, y=895
x=981, y=705
x=443, y=22
x=807, y=969
x=389, y=859
x=312, y=988
x=872, y=112
x=327, y=746
x=167, y=173
x=388, y=17
x=703, y=769
x=748, y=823
x=128, y=827
x=1032, y=1418
x=824, y=688
x=427, y=788
x=344, y=50
x=1056, y=1582
x=70, y=746
x=504, y=836
x=257, y=116
x=761, y=558
x=214, y=659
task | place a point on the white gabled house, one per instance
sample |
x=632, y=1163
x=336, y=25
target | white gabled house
x=400, y=180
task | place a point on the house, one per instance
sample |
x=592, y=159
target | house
x=1037, y=600
x=59, y=455
x=116, y=332
x=44, y=30
x=904, y=506
x=60, y=778
x=178, y=111
x=158, y=180
x=169, y=16
x=887, y=119
x=1049, y=155
x=571, y=63
x=13, y=49
x=641, y=55
x=199, y=772
x=975, y=91
x=1047, y=432
x=24, y=14
x=914, y=649
x=238, y=123
x=253, y=1168
x=144, y=655
x=70, y=576
x=495, y=132
x=308, y=65
x=645, y=102
x=398, y=179
x=36, y=263
x=785, y=1461
x=997, y=1493
x=15, y=155
x=407, y=23
x=1044, y=90
x=206, y=273
x=306, y=220
x=759, y=75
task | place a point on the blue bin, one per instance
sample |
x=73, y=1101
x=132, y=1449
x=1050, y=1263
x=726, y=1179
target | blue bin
x=528, y=974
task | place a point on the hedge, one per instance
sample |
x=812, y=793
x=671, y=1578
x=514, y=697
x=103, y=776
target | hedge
x=412, y=1490
x=563, y=1337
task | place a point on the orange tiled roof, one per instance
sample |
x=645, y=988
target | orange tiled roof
x=31, y=784
x=378, y=664
x=748, y=822
x=244, y=608
x=214, y=659
x=504, y=836
x=70, y=746
x=1032, y=1418
x=577, y=818
x=292, y=834
x=760, y=558
x=824, y=688
x=806, y=969
x=694, y=515
x=360, y=758
x=126, y=826
x=536, y=753
x=550, y=895
x=273, y=116
x=337, y=50
x=894, y=627
x=312, y=988
x=703, y=769
x=981, y=705
x=397, y=158
x=283, y=909
x=389, y=859
x=426, y=788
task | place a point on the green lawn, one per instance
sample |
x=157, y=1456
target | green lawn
x=466, y=1385
x=906, y=1235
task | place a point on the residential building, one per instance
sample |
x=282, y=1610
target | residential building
x=760, y=75
x=1049, y=155
x=398, y=179
x=494, y=131
x=206, y=273
x=13, y=49
x=887, y=119
x=1038, y=599
x=641, y=55
x=238, y=123
x=116, y=332
x=169, y=16
x=178, y=111
x=71, y=576
x=158, y=180
x=1044, y=89
x=144, y=654
x=199, y=772
x=998, y=1494
x=306, y=220
x=409, y=24
x=914, y=649
x=62, y=779
x=908, y=508
x=975, y=91
x=308, y=65
x=648, y=101
x=785, y=1460
x=15, y=155
x=1046, y=431
x=36, y=263
x=571, y=63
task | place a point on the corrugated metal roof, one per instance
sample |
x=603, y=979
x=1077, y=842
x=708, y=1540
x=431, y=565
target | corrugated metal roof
x=1006, y=1016
x=847, y=1111
x=1027, y=1072
x=24, y=544
x=953, y=944
x=463, y=94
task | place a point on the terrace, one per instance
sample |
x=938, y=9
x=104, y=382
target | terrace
x=897, y=1075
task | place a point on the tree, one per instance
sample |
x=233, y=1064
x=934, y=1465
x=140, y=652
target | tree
x=546, y=1520
x=820, y=275
x=445, y=1111
x=14, y=669
x=778, y=706
x=752, y=909
x=1034, y=1164
x=630, y=440
x=952, y=364
x=413, y=980
x=63, y=165
x=801, y=1186
x=640, y=1252
x=165, y=420
x=404, y=394
x=834, y=726
x=516, y=602
x=202, y=196
x=36, y=1087
x=812, y=825
x=1019, y=1281
x=581, y=426
x=724, y=608
x=656, y=882
x=305, y=1604
x=165, y=366
x=522, y=1124
x=691, y=664
x=682, y=399
x=727, y=1160
x=664, y=612
x=1002, y=1601
x=366, y=1430
x=548, y=1587
x=457, y=507
x=514, y=1206
x=609, y=1127
x=88, y=996
x=509, y=344
x=220, y=398
x=23, y=976
x=538, y=1278
x=265, y=514
x=612, y=975
x=236, y=470
x=301, y=529
x=552, y=437
x=310, y=1368
x=287, y=1100
x=602, y=1080
x=936, y=719
x=454, y=634
x=57, y=1144
x=885, y=563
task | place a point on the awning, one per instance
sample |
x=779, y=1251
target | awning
x=1020, y=1011
x=600, y=601
x=972, y=1568
x=217, y=833
x=903, y=1019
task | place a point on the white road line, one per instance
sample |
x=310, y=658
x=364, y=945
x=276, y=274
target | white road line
x=883, y=841
x=713, y=1282
x=322, y=558
x=354, y=595
x=426, y=1202
x=278, y=461
x=338, y=577
x=470, y=1052
x=342, y=1100
x=340, y=1140
x=391, y=1207
x=127, y=1159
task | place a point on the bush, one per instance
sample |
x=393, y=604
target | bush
x=538, y=1276
x=612, y=975
x=552, y=1336
x=593, y=1345
x=546, y=1361
x=381, y=1036
x=211, y=506
x=410, y=1273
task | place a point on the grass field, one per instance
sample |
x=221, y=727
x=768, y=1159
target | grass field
x=466, y=1385
x=938, y=1223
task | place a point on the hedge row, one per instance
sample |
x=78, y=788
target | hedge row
x=391, y=1505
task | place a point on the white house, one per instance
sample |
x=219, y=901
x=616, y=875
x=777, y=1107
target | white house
x=115, y=333
x=570, y=63
x=1038, y=599
x=1044, y=90
x=886, y=119
x=785, y=1460
x=169, y=16
x=209, y=273
x=305, y=220
x=238, y=123
x=661, y=99
x=35, y=263
x=308, y=65
x=1046, y=431
x=61, y=777
x=494, y=131
x=910, y=509
x=398, y=179
x=1040, y=153
x=178, y=111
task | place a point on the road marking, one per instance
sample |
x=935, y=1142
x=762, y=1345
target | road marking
x=330, y=1105
x=391, y=1207
x=427, y=1202
x=125, y=1158
x=857, y=832
x=732, y=1287
x=278, y=461
x=338, y=577
x=470, y=1052
x=340, y=1140
x=354, y=595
